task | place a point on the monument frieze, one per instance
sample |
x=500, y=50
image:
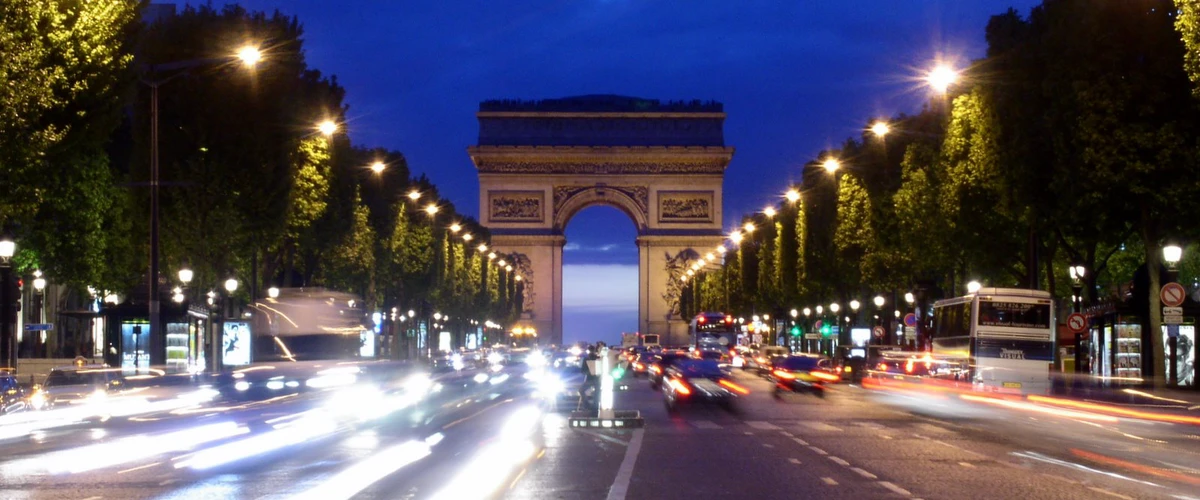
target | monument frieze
x=515, y=206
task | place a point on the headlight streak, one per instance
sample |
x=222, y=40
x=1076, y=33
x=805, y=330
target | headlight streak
x=125, y=450
x=1043, y=458
x=311, y=425
x=363, y=474
x=487, y=471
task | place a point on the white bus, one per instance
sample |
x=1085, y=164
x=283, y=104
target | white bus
x=996, y=339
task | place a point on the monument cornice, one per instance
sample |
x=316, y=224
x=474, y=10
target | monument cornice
x=601, y=159
x=595, y=114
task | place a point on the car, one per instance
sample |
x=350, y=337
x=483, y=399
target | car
x=641, y=365
x=659, y=366
x=699, y=381
x=759, y=359
x=802, y=373
x=12, y=394
x=76, y=384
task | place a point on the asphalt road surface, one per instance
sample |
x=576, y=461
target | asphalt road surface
x=488, y=434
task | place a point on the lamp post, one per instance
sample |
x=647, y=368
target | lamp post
x=1077, y=272
x=249, y=56
x=883, y=321
x=8, y=303
x=1171, y=255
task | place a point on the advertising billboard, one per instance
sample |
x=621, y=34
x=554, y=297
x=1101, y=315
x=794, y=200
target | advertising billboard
x=235, y=343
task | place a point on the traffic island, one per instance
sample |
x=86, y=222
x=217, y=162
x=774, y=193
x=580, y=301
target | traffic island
x=615, y=419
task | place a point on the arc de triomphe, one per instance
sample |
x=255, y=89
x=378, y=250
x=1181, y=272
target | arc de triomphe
x=662, y=164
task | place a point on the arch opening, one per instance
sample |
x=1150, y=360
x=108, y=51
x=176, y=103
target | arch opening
x=600, y=274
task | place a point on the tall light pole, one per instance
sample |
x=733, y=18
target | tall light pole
x=8, y=303
x=250, y=57
x=1171, y=256
x=1077, y=272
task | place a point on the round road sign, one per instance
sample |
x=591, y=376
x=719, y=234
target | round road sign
x=878, y=331
x=1076, y=323
x=1172, y=294
x=910, y=319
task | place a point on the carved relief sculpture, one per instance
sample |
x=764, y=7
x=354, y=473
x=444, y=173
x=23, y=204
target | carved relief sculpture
x=676, y=267
x=524, y=268
x=639, y=194
x=522, y=206
x=685, y=206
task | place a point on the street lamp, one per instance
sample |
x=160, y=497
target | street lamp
x=792, y=195
x=769, y=211
x=327, y=127
x=8, y=348
x=831, y=165
x=880, y=129
x=378, y=167
x=273, y=292
x=909, y=298
x=431, y=209
x=879, y=301
x=736, y=237
x=1171, y=255
x=250, y=56
x=185, y=276
x=941, y=78
x=973, y=286
x=414, y=195
x=794, y=313
x=231, y=285
x=749, y=227
x=1077, y=272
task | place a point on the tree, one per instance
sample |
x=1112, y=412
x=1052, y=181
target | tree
x=66, y=65
x=351, y=265
x=1187, y=21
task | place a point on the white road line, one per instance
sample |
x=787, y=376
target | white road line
x=800, y=442
x=93, y=498
x=166, y=482
x=885, y=436
x=794, y=460
x=959, y=448
x=765, y=445
x=748, y=433
x=864, y=473
x=620, y=486
x=1110, y=493
x=822, y=426
x=967, y=465
x=786, y=434
x=840, y=461
x=705, y=424
x=762, y=426
x=894, y=488
x=829, y=481
x=817, y=450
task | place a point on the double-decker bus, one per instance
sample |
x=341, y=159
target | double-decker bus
x=997, y=339
x=713, y=331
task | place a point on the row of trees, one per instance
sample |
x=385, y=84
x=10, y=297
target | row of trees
x=249, y=186
x=1074, y=141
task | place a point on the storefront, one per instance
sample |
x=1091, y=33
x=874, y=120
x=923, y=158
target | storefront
x=127, y=342
x=1116, y=348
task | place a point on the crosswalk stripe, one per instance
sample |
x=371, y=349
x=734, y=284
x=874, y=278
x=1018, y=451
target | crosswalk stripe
x=762, y=426
x=822, y=426
x=705, y=424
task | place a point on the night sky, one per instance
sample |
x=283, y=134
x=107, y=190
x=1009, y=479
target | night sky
x=796, y=77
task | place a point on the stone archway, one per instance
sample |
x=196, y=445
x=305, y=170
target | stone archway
x=662, y=164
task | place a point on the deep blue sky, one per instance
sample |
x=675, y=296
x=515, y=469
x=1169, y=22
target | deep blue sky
x=795, y=76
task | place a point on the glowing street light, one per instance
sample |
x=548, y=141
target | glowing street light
x=749, y=227
x=831, y=165
x=880, y=128
x=468, y=237
x=792, y=195
x=736, y=236
x=185, y=275
x=854, y=305
x=973, y=287
x=250, y=56
x=482, y=247
x=378, y=167
x=414, y=195
x=941, y=78
x=769, y=211
x=794, y=313
x=273, y=292
x=721, y=249
x=834, y=307
x=878, y=301
x=491, y=255
x=231, y=285
x=808, y=311
x=431, y=209
x=502, y=263
x=327, y=127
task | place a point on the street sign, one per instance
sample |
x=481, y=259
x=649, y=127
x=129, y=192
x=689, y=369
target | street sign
x=1172, y=315
x=910, y=319
x=1076, y=323
x=878, y=331
x=910, y=332
x=812, y=336
x=1172, y=294
x=39, y=327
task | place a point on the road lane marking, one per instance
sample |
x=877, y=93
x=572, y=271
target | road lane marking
x=794, y=460
x=93, y=498
x=817, y=450
x=800, y=442
x=1110, y=493
x=765, y=445
x=620, y=486
x=166, y=482
x=864, y=473
x=762, y=426
x=894, y=488
x=787, y=434
x=840, y=461
x=748, y=433
x=597, y=435
x=705, y=424
x=140, y=467
x=829, y=481
x=822, y=426
x=959, y=448
x=967, y=465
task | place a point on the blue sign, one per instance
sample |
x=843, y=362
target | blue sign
x=38, y=327
x=910, y=319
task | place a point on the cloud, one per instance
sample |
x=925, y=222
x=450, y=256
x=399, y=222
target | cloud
x=576, y=247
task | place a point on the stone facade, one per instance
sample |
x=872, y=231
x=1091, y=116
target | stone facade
x=663, y=165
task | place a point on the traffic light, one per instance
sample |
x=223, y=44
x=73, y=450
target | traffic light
x=795, y=331
x=826, y=330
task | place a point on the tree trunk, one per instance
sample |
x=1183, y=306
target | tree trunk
x=1150, y=244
